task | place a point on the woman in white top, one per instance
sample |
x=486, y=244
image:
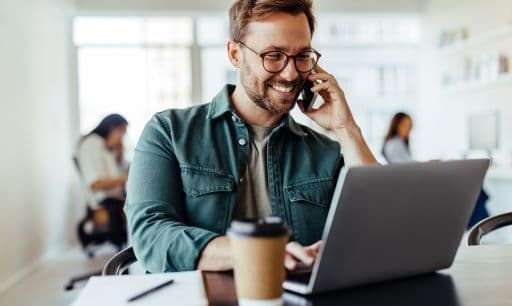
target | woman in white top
x=396, y=142
x=100, y=158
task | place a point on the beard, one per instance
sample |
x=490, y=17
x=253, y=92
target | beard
x=258, y=91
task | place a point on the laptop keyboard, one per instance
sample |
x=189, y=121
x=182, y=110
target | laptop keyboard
x=299, y=276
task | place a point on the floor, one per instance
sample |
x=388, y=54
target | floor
x=45, y=286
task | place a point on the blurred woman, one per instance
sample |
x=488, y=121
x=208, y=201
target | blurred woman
x=396, y=142
x=100, y=159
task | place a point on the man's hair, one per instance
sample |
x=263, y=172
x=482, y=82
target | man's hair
x=244, y=11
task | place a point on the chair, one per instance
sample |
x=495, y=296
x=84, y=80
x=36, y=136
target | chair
x=93, y=230
x=120, y=262
x=488, y=225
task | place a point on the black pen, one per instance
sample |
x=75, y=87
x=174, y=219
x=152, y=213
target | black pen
x=143, y=294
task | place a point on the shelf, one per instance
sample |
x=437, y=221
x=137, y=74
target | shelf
x=466, y=86
x=476, y=40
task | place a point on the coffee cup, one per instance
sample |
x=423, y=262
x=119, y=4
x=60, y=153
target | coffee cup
x=258, y=249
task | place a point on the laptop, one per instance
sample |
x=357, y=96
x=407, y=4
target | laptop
x=393, y=221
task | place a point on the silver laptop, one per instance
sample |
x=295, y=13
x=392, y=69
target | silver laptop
x=388, y=222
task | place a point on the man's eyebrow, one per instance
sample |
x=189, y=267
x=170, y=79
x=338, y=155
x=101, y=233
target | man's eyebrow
x=278, y=48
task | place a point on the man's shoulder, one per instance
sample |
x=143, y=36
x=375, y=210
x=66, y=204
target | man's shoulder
x=184, y=113
x=316, y=136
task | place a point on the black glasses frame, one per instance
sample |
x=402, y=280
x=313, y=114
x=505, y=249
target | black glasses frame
x=263, y=54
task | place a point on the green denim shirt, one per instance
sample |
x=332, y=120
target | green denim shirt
x=185, y=174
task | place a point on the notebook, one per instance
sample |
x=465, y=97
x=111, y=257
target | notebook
x=187, y=288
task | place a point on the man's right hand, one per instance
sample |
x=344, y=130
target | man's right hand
x=216, y=255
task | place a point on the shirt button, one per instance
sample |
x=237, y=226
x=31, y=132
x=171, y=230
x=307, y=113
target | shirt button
x=241, y=179
x=242, y=142
x=233, y=118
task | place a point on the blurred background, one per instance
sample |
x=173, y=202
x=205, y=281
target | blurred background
x=64, y=65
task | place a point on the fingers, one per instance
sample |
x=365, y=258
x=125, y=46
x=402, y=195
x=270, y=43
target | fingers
x=289, y=262
x=315, y=247
x=300, y=253
x=320, y=74
x=319, y=69
x=325, y=83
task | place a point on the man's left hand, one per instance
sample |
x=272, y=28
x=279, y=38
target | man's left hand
x=296, y=253
x=334, y=113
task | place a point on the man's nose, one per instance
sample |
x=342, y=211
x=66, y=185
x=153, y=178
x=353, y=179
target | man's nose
x=289, y=72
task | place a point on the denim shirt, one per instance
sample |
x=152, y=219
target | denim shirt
x=187, y=169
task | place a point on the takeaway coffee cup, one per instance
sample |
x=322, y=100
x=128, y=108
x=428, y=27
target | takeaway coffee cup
x=258, y=249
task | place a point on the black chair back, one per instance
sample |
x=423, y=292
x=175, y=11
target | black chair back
x=120, y=262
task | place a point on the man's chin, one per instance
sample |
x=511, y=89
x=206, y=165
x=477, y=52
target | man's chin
x=283, y=106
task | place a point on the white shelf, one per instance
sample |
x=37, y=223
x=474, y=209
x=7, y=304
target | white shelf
x=467, y=86
x=477, y=40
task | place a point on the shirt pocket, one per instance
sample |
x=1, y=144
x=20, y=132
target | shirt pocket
x=309, y=205
x=209, y=194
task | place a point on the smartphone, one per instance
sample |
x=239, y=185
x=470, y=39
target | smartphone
x=306, y=96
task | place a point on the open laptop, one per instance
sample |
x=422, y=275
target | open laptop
x=393, y=221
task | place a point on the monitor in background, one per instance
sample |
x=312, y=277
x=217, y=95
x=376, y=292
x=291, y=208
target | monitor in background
x=483, y=131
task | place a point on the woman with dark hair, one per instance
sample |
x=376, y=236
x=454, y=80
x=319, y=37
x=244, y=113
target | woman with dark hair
x=396, y=142
x=100, y=159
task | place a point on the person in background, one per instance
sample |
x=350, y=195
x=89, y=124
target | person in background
x=396, y=142
x=100, y=158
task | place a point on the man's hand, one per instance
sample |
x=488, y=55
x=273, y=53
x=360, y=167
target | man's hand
x=334, y=113
x=216, y=255
x=296, y=253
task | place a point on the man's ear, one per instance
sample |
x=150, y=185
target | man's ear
x=234, y=54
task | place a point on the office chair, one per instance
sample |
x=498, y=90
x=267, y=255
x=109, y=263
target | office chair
x=488, y=225
x=93, y=230
x=120, y=262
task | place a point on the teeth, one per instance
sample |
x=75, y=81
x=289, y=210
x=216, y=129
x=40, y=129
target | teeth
x=282, y=88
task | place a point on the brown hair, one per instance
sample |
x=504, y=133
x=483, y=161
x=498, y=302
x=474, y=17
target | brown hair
x=393, y=127
x=244, y=11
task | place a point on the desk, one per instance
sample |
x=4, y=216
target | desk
x=480, y=276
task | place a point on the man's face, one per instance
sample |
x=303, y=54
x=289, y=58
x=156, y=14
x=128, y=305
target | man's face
x=274, y=92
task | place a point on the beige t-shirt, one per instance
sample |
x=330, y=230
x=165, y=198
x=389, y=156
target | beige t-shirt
x=253, y=198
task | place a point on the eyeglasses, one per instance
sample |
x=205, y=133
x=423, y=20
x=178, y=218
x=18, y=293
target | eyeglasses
x=275, y=61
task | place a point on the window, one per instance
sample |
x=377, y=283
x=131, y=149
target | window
x=132, y=66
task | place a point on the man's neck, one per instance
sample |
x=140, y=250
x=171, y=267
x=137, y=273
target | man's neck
x=250, y=112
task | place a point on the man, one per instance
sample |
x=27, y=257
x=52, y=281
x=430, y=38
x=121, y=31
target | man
x=242, y=155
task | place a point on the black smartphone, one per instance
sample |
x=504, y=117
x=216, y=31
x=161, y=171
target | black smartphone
x=306, y=96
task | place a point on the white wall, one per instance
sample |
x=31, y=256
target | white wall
x=36, y=132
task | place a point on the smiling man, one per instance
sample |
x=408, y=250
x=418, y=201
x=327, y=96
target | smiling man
x=242, y=155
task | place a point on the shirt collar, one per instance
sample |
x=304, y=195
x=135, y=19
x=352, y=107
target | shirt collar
x=221, y=105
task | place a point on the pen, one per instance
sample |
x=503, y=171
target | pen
x=143, y=294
